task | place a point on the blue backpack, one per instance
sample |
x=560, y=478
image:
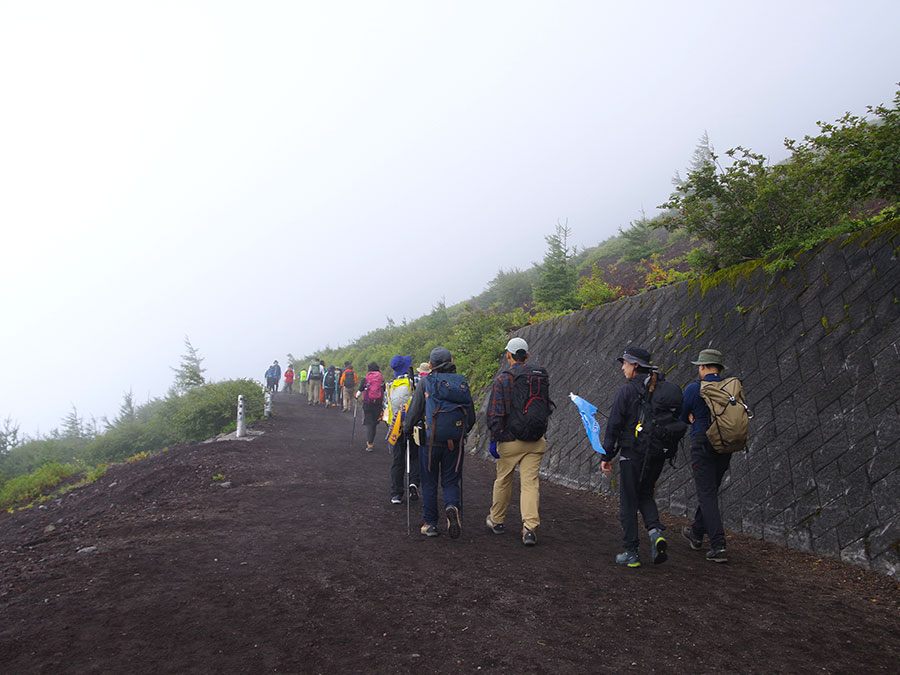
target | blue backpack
x=447, y=399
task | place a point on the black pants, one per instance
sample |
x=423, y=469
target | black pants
x=709, y=469
x=398, y=466
x=636, y=494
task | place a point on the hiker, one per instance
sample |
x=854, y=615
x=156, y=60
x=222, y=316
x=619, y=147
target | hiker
x=303, y=375
x=270, y=374
x=707, y=465
x=329, y=384
x=638, y=470
x=371, y=387
x=314, y=377
x=403, y=446
x=422, y=371
x=517, y=415
x=348, y=385
x=276, y=376
x=444, y=405
x=289, y=379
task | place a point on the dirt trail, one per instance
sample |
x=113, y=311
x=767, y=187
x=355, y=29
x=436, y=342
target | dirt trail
x=303, y=566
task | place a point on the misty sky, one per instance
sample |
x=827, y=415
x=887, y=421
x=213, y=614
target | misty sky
x=205, y=168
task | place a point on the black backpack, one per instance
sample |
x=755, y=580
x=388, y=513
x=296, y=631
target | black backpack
x=659, y=428
x=329, y=380
x=530, y=407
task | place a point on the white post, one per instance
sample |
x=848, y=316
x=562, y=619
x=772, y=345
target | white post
x=241, y=429
x=268, y=403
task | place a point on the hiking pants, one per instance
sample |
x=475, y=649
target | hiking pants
x=302, y=386
x=636, y=494
x=348, y=399
x=329, y=396
x=447, y=466
x=289, y=387
x=708, y=467
x=314, y=389
x=398, y=466
x=527, y=456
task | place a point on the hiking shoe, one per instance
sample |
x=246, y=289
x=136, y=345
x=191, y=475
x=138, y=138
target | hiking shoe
x=528, y=537
x=696, y=542
x=396, y=499
x=496, y=528
x=628, y=558
x=717, y=555
x=413, y=492
x=453, y=526
x=369, y=448
x=658, y=546
x=429, y=530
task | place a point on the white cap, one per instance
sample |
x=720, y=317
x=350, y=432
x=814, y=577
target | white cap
x=517, y=344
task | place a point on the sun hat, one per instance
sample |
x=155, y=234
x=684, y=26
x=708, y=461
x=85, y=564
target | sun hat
x=636, y=356
x=710, y=357
x=400, y=364
x=424, y=367
x=517, y=344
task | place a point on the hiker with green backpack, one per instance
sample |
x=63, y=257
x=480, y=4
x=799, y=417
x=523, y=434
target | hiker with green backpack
x=719, y=418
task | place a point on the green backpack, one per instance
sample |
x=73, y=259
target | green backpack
x=729, y=429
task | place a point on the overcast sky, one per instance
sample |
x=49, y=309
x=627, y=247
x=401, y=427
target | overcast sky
x=206, y=168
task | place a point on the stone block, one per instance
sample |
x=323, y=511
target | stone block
x=799, y=539
x=886, y=495
x=883, y=462
x=825, y=543
x=825, y=454
x=832, y=425
x=806, y=417
x=888, y=563
x=855, y=554
x=885, y=537
x=857, y=526
x=830, y=515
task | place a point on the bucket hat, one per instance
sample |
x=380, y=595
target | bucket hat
x=709, y=357
x=636, y=356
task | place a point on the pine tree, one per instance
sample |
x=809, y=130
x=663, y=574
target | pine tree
x=189, y=374
x=559, y=278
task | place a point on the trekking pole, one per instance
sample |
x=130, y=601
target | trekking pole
x=406, y=443
x=353, y=433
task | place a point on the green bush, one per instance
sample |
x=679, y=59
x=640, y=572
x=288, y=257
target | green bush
x=30, y=486
x=210, y=409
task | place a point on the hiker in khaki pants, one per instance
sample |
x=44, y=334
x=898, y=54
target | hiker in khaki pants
x=527, y=456
x=517, y=415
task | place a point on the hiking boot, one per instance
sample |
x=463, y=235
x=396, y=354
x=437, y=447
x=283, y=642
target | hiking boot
x=396, y=499
x=413, y=492
x=496, y=528
x=696, y=542
x=369, y=447
x=658, y=546
x=453, y=526
x=429, y=530
x=528, y=537
x=717, y=555
x=628, y=558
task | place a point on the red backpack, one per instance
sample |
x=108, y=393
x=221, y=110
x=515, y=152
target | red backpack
x=372, y=392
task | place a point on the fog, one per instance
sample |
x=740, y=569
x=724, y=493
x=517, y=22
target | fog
x=275, y=177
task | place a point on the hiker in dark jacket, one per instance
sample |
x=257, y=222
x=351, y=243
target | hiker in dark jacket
x=707, y=465
x=638, y=472
x=439, y=459
x=371, y=387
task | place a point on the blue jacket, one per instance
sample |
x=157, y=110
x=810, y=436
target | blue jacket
x=694, y=404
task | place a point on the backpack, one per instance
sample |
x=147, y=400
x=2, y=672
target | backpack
x=348, y=378
x=315, y=372
x=729, y=429
x=329, y=380
x=372, y=392
x=447, y=399
x=399, y=394
x=530, y=405
x=659, y=428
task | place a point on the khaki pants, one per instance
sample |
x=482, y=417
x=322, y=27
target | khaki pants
x=348, y=398
x=314, y=387
x=527, y=456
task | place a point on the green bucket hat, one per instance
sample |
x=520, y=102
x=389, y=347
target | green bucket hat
x=710, y=357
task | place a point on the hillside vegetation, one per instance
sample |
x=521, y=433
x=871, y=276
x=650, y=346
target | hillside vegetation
x=729, y=209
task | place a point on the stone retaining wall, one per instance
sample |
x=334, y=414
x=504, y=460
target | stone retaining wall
x=818, y=351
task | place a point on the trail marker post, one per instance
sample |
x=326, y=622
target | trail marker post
x=241, y=418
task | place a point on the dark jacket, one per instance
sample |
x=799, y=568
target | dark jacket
x=696, y=406
x=622, y=419
x=416, y=411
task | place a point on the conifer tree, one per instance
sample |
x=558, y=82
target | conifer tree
x=189, y=374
